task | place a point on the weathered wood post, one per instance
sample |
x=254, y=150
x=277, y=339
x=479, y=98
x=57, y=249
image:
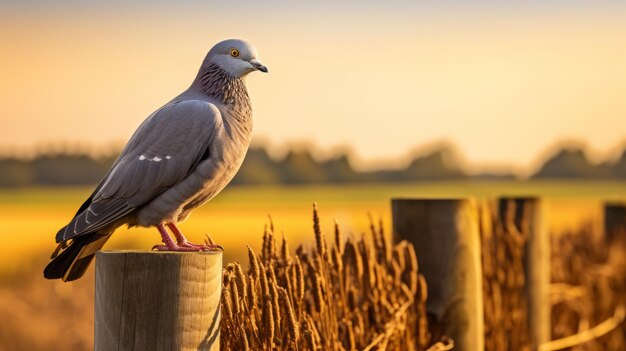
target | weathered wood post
x=530, y=218
x=446, y=238
x=157, y=300
x=615, y=235
x=614, y=222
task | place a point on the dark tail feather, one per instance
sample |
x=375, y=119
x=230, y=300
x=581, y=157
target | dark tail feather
x=74, y=258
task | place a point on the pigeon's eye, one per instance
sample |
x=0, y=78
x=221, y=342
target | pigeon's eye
x=234, y=52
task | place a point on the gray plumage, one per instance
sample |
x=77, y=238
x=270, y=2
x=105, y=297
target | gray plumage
x=180, y=157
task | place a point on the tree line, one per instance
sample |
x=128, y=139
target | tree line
x=300, y=167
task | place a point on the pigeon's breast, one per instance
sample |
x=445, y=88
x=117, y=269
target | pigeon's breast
x=226, y=154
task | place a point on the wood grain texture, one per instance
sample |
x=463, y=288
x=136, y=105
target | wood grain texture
x=531, y=217
x=446, y=238
x=148, y=300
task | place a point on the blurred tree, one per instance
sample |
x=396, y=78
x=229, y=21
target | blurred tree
x=257, y=168
x=69, y=169
x=15, y=172
x=439, y=164
x=300, y=167
x=571, y=163
x=619, y=168
x=339, y=170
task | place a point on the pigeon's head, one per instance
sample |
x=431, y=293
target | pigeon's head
x=236, y=57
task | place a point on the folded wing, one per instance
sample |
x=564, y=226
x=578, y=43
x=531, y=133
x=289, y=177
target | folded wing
x=164, y=150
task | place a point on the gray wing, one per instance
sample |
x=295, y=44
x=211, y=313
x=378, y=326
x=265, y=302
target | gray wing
x=162, y=152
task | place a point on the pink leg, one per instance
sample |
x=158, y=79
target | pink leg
x=180, y=237
x=170, y=245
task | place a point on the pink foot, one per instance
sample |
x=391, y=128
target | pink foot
x=182, y=243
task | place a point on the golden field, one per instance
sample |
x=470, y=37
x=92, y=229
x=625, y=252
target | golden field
x=31, y=216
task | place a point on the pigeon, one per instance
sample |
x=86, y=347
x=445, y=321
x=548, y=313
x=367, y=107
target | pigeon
x=179, y=158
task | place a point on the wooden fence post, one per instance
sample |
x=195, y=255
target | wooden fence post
x=530, y=217
x=615, y=235
x=149, y=300
x=446, y=238
x=614, y=222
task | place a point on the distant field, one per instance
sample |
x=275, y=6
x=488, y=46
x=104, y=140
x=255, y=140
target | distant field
x=30, y=217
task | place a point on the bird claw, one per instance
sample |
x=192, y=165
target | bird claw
x=201, y=247
x=211, y=245
x=214, y=247
x=208, y=240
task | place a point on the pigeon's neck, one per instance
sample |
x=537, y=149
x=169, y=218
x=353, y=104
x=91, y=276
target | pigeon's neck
x=217, y=83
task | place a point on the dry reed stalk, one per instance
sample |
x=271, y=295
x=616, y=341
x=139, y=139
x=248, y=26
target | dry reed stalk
x=338, y=241
x=275, y=303
x=284, y=251
x=265, y=289
x=265, y=245
x=254, y=264
x=290, y=320
x=336, y=260
x=251, y=294
x=235, y=298
x=362, y=293
x=309, y=340
x=241, y=281
x=320, y=241
x=318, y=297
x=268, y=323
x=227, y=316
x=299, y=281
x=244, y=339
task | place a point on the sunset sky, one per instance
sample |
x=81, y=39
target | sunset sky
x=501, y=81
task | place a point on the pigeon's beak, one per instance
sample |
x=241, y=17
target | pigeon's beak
x=258, y=65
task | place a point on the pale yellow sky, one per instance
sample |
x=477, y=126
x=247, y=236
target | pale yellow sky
x=503, y=88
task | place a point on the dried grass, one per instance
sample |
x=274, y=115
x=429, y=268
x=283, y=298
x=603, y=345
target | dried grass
x=359, y=294
x=505, y=305
x=589, y=283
